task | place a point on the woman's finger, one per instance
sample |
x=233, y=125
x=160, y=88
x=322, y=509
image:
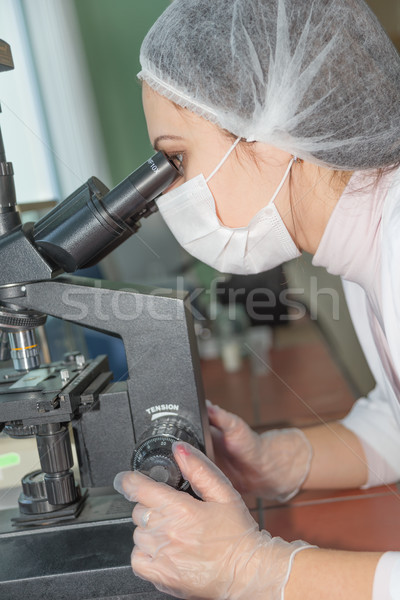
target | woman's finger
x=206, y=479
x=150, y=541
x=141, y=516
x=139, y=560
x=222, y=419
x=159, y=572
x=137, y=487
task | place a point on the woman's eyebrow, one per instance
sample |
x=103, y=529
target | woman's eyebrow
x=162, y=138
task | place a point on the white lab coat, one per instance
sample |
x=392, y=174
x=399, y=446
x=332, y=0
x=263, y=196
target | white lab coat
x=376, y=419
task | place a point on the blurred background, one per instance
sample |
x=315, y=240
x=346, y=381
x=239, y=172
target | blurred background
x=72, y=109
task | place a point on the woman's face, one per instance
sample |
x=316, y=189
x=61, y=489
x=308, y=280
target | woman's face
x=243, y=185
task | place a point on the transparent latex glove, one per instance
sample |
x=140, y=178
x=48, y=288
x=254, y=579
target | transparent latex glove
x=273, y=465
x=210, y=549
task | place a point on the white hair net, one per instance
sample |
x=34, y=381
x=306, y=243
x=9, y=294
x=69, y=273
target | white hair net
x=317, y=78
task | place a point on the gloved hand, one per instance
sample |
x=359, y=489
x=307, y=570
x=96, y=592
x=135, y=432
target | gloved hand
x=273, y=465
x=203, y=550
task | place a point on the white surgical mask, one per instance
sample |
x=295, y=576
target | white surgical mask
x=190, y=213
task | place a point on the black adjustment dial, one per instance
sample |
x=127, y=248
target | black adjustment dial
x=33, y=499
x=153, y=455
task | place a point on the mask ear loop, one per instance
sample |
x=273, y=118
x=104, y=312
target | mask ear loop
x=227, y=155
x=282, y=183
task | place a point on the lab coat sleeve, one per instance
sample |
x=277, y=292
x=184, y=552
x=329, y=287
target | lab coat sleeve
x=387, y=577
x=372, y=420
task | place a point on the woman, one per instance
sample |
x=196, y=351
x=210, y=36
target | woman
x=285, y=119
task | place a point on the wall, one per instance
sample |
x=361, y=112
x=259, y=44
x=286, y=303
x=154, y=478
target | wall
x=113, y=31
x=388, y=12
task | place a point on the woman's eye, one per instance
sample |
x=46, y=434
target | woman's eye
x=177, y=159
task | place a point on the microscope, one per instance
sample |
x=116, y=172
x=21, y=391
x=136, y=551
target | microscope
x=72, y=539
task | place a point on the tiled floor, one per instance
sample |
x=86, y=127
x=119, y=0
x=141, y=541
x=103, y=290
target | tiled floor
x=303, y=386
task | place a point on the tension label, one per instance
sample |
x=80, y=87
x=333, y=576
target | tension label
x=162, y=408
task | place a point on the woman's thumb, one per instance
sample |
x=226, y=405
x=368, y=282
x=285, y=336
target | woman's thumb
x=207, y=481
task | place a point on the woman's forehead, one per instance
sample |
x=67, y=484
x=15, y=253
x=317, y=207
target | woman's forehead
x=165, y=118
x=159, y=110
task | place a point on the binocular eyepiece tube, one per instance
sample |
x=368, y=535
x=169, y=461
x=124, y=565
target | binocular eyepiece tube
x=93, y=220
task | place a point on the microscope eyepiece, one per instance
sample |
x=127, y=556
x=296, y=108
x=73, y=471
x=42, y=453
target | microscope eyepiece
x=93, y=220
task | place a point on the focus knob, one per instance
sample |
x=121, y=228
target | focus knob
x=153, y=455
x=42, y=493
x=161, y=467
x=33, y=485
x=33, y=499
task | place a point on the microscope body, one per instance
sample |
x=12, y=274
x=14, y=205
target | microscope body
x=72, y=539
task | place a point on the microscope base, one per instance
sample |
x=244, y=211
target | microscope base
x=87, y=559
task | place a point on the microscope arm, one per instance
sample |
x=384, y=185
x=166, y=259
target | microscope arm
x=157, y=333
